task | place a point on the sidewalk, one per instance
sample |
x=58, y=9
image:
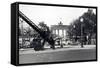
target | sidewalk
x=72, y=46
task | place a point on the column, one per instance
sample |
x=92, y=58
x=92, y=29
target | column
x=58, y=32
x=66, y=33
x=62, y=33
x=54, y=31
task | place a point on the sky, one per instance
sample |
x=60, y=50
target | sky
x=51, y=15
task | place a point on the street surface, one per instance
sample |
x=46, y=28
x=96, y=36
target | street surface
x=68, y=53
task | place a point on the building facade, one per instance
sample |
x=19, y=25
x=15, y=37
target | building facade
x=60, y=30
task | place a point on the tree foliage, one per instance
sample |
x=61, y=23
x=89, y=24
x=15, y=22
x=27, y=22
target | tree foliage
x=88, y=24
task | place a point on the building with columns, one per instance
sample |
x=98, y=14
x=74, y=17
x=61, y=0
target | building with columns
x=60, y=30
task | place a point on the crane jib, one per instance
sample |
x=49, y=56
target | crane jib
x=35, y=27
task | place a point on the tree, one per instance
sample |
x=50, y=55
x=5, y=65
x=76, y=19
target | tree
x=89, y=25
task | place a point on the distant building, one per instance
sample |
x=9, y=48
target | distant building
x=60, y=30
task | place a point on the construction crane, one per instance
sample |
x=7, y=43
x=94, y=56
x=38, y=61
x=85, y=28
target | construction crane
x=47, y=37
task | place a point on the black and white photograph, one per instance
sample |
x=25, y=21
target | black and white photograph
x=56, y=33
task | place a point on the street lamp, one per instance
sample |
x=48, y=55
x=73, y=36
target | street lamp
x=74, y=26
x=74, y=36
x=81, y=20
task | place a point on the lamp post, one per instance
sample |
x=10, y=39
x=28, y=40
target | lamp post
x=74, y=36
x=81, y=20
